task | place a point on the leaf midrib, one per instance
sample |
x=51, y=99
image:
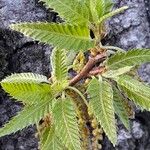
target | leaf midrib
x=118, y=62
x=67, y=6
x=60, y=34
x=64, y=118
x=28, y=115
x=101, y=96
x=131, y=85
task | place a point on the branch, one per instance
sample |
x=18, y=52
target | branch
x=95, y=71
x=88, y=67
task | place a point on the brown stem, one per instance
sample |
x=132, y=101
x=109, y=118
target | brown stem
x=87, y=68
x=95, y=71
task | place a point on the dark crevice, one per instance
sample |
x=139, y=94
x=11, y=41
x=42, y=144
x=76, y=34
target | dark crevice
x=92, y=34
x=147, y=5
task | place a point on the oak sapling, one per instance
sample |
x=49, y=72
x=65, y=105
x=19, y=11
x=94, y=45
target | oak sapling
x=72, y=112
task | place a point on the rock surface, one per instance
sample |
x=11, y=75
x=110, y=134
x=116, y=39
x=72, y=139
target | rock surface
x=19, y=54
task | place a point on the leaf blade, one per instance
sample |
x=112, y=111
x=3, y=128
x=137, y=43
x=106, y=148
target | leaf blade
x=130, y=58
x=66, y=124
x=70, y=10
x=57, y=34
x=115, y=73
x=120, y=108
x=113, y=13
x=101, y=104
x=59, y=65
x=29, y=116
x=135, y=90
x=27, y=87
x=49, y=140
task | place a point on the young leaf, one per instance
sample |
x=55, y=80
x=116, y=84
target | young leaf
x=73, y=11
x=113, y=13
x=129, y=58
x=57, y=34
x=98, y=8
x=59, y=65
x=135, y=90
x=115, y=73
x=101, y=105
x=120, y=108
x=27, y=87
x=108, y=6
x=50, y=141
x=93, y=9
x=29, y=116
x=66, y=124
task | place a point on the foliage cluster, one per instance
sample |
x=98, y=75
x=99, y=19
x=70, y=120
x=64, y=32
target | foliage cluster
x=62, y=107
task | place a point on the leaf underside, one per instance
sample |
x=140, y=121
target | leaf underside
x=101, y=104
x=129, y=58
x=66, y=124
x=135, y=90
x=63, y=36
x=27, y=87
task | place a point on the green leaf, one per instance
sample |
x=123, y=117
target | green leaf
x=29, y=116
x=115, y=73
x=63, y=36
x=108, y=5
x=66, y=124
x=73, y=11
x=59, y=65
x=50, y=141
x=113, y=13
x=101, y=105
x=98, y=8
x=27, y=87
x=120, y=108
x=93, y=9
x=135, y=90
x=129, y=58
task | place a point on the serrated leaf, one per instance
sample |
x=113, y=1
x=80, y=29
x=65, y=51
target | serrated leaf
x=27, y=87
x=94, y=13
x=25, y=77
x=50, y=141
x=108, y=5
x=113, y=13
x=28, y=116
x=129, y=58
x=101, y=105
x=59, y=65
x=66, y=124
x=98, y=8
x=135, y=90
x=115, y=73
x=73, y=11
x=57, y=34
x=120, y=108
